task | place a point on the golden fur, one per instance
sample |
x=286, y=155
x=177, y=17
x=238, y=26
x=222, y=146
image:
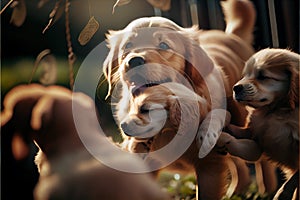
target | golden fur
x=67, y=169
x=155, y=50
x=183, y=108
x=270, y=89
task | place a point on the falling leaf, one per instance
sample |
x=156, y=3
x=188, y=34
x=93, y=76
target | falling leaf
x=120, y=3
x=88, y=31
x=47, y=63
x=55, y=14
x=19, y=12
x=48, y=75
x=163, y=5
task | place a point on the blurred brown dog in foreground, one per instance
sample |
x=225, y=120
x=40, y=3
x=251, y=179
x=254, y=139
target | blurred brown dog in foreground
x=67, y=169
x=270, y=89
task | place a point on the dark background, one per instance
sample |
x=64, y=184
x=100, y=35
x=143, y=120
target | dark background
x=27, y=41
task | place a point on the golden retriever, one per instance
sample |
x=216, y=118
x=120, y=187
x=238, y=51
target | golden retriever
x=67, y=169
x=270, y=89
x=154, y=50
x=168, y=116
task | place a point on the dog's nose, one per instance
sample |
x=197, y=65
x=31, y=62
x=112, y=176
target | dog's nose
x=135, y=62
x=124, y=127
x=238, y=88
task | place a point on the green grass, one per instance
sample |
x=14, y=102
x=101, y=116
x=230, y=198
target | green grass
x=183, y=187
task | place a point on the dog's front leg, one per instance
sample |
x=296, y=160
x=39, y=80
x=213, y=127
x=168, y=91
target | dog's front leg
x=244, y=148
x=210, y=130
x=212, y=173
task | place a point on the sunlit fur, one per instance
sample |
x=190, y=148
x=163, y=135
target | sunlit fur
x=211, y=61
x=270, y=88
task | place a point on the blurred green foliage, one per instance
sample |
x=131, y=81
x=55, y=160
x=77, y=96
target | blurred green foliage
x=183, y=187
x=19, y=72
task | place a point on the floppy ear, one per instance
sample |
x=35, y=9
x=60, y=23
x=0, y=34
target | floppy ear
x=15, y=117
x=110, y=64
x=198, y=63
x=293, y=94
x=184, y=112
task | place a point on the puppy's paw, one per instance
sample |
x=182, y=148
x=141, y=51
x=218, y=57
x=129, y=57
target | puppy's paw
x=210, y=130
x=224, y=140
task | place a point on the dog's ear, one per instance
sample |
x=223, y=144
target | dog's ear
x=293, y=94
x=15, y=117
x=198, y=63
x=184, y=113
x=111, y=63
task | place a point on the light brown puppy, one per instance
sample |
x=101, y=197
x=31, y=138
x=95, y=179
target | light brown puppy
x=67, y=169
x=270, y=89
x=167, y=116
x=155, y=50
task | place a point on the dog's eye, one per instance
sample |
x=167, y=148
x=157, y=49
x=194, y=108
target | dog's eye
x=261, y=76
x=164, y=46
x=128, y=45
x=144, y=110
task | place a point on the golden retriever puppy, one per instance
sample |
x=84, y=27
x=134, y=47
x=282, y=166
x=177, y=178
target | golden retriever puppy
x=67, y=169
x=270, y=89
x=168, y=116
x=155, y=50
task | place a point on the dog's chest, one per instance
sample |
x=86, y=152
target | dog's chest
x=277, y=135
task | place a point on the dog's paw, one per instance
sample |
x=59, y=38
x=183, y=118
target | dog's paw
x=210, y=130
x=224, y=140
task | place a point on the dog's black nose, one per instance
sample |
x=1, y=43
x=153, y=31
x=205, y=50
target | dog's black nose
x=238, y=88
x=124, y=127
x=135, y=62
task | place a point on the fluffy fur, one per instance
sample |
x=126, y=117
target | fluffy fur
x=270, y=89
x=155, y=50
x=67, y=169
x=150, y=130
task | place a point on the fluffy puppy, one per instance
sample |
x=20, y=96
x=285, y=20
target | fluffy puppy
x=155, y=50
x=67, y=169
x=270, y=89
x=168, y=116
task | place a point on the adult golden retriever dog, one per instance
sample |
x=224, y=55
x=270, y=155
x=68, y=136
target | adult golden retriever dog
x=155, y=50
x=67, y=169
x=270, y=89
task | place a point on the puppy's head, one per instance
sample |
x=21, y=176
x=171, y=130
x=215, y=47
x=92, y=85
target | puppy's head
x=270, y=79
x=154, y=50
x=44, y=114
x=160, y=110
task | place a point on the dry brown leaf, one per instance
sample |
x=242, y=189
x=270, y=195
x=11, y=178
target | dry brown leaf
x=120, y=3
x=19, y=12
x=48, y=74
x=88, y=31
x=49, y=67
x=163, y=5
x=55, y=14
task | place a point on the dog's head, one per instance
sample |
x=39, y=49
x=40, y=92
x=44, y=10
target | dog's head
x=44, y=114
x=154, y=50
x=161, y=109
x=270, y=79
